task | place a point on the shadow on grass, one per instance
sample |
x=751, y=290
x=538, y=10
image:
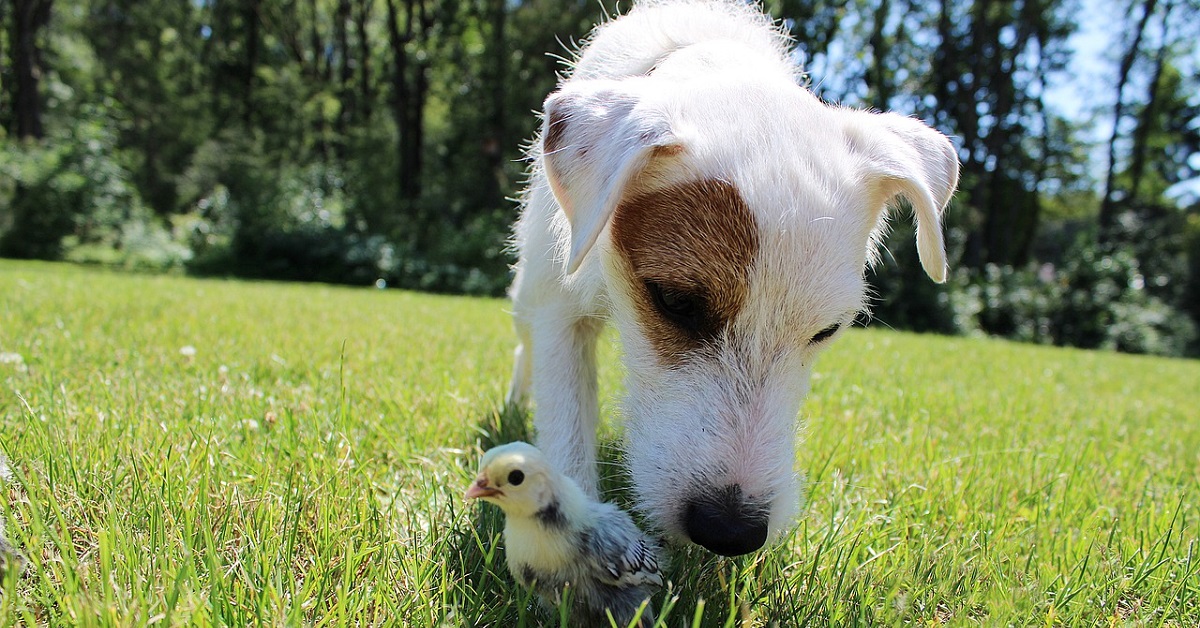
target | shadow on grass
x=11, y=560
x=483, y=593
x=703, y=589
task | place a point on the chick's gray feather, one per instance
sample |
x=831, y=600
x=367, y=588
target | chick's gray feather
x=613, y=567
x=621, y=556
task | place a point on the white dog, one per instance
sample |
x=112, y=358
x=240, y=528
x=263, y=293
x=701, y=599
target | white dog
x=688, y=189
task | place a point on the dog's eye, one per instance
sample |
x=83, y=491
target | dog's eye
x=686, y=309
x=515, y=477
x=824, y=334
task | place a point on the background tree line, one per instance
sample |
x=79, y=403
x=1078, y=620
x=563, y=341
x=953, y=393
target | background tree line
x=364, y=140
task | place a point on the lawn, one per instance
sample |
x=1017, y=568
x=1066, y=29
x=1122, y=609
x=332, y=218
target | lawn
x=198, y=452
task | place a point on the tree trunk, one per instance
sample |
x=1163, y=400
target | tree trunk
x=5, y=86
x=1108, y=208
x=251, y=20
x=878, y=78
x=29, y=18
x=315, y=72
x=345, y=88
x=494, y=141
x=401, y=99
x=1009, y=202
x=420, y=24
x=956, y=85
x=365, y=95
x=314, y=40
x=1141, y=134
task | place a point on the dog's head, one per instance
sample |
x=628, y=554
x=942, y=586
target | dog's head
x=733, y=221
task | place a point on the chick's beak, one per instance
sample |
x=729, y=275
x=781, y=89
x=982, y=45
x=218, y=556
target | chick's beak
x=479, y=488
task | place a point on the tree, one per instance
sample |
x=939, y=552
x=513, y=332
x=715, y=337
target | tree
x=29, y=19
x=147, y=72
x=353, y=140
x=989, y=72
x=1131, y=54
x=1167, y=133
x=409, y=88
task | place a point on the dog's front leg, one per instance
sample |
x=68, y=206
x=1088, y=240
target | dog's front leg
x=518, y=390
x=566, y=410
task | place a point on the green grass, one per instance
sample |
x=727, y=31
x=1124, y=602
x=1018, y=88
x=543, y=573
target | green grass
x=306, y=465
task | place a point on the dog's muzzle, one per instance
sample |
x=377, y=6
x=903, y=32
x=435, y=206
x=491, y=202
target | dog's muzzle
x=724, y=522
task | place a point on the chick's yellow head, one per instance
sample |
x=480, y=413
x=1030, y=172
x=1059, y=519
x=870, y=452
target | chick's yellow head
x=515, y=477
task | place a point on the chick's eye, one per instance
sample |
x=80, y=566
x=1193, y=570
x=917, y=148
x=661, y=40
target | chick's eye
x=686, y=309
x=515, y=477
x=824, y=334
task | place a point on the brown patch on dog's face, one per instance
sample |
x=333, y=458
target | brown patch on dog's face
x=689, y=248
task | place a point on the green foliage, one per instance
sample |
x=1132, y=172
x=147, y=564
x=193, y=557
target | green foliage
x=261, y=219
x=1094, y=301
x=365, y=141
x=71, y=197
x=39, y=200
x=198, y=452
x=903, y=297
x=1098, y=297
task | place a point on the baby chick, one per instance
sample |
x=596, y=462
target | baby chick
x=556, y=538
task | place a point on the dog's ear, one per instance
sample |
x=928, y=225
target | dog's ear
x=904, y=157
x=596, y=137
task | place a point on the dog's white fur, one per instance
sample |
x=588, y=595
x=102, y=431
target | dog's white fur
x=678, y=91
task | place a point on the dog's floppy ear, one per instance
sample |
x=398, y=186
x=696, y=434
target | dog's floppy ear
x=904, y=157
x=596, y=137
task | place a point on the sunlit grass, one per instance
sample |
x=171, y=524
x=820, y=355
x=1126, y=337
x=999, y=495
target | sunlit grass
x=208, y=452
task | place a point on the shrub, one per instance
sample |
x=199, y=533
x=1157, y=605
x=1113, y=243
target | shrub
x=1096, y=300
x=252, y=217
x=71, y=197
x=1015, y=303
x=903, y=295
x=1130, y=296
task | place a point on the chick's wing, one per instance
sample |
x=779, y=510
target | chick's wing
x=620, y=555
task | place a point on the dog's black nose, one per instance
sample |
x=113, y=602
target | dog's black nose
x=725, y=523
